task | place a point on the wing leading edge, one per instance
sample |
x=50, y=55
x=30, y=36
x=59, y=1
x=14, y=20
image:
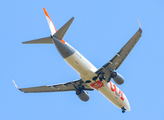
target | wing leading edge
x=69, y=86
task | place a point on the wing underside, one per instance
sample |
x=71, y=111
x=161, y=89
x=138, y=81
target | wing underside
x=69, y=86
x=118, y=59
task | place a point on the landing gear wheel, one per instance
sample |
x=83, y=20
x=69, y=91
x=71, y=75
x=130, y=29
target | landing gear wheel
x=94, y=78
x=123, y=109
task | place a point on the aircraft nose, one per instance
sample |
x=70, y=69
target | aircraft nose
x=127, y=105
x=128, y=108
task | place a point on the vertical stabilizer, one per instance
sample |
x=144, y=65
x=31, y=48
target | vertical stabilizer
x=50, y=23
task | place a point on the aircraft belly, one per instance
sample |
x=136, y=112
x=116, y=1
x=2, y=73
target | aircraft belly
x=86, y=71
x=114, y=96
x=80, y=64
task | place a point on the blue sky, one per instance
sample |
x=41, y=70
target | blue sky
x=98, y=32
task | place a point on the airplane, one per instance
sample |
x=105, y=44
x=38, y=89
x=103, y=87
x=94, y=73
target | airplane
x=91, y=78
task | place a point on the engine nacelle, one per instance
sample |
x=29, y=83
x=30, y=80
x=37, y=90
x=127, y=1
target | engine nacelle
x=117, y=78
x=82, y=95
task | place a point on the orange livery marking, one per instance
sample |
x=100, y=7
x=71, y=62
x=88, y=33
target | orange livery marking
x=62, y=41
x=114, y=89
x=46, y=13
x=120, y=92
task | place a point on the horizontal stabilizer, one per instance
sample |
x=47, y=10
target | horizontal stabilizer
x=46, y=40
x=61, y=32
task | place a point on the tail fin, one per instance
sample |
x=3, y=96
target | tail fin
x=58, y=34
x=61, y=32
x=50, y=23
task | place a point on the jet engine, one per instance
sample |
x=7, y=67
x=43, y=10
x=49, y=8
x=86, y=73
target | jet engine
x=82, y=95
x=117, y=78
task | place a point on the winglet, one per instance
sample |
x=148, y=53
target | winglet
x=15, y=84
x=140, y=28
x=50, y=23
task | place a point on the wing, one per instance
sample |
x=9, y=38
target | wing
x=69, y=86
x=118, y=59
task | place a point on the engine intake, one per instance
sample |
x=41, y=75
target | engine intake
x=117, y=78
x=84, y=96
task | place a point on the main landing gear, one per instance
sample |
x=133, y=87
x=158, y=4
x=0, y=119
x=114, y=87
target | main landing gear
x=123, y=109
x=100, y=78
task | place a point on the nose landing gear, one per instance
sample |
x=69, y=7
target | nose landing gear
x=123, y=109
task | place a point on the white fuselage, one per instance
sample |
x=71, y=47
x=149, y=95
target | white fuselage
x=87, y=71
